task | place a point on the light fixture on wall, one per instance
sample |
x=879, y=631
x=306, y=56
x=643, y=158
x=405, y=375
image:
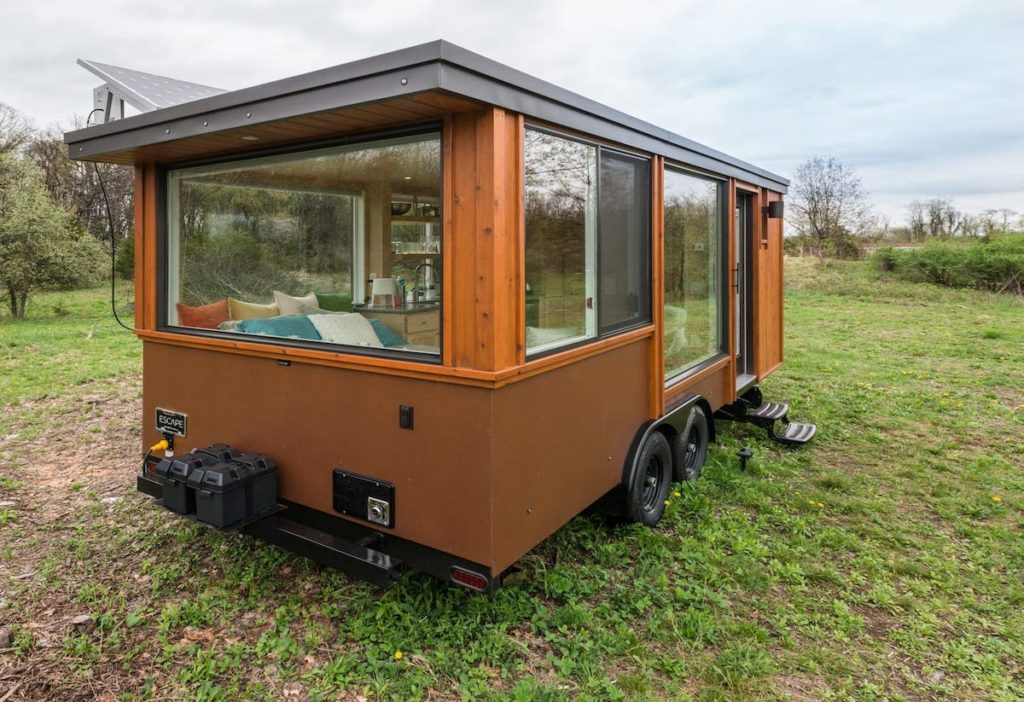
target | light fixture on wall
x=774, y=209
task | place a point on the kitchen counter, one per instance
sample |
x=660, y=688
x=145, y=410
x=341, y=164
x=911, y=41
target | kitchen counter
x=418, y=323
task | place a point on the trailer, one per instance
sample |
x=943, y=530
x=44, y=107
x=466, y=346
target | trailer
x=420, y=310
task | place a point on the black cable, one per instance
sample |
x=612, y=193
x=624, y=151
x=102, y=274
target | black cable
x=110, y=226
x=113, y=246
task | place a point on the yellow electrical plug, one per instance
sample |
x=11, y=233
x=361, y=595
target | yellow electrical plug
x=161, y=445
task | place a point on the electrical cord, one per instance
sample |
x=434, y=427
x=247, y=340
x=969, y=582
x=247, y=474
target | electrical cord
x=113, y=247
x=113, y=238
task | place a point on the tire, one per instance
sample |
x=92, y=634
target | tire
x=693, y=448
x=648, y=489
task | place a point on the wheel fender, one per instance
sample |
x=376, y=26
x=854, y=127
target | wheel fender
x=629, y=468
x=679, y=420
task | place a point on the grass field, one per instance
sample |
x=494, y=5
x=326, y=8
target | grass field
x=883, y=562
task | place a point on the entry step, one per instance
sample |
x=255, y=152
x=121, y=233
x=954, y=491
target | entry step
x=796, y=434
x=773, y=417
x=770, y=410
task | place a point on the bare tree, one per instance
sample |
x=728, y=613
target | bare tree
x=830, y=207
x=16, y=129
x=75, y=185
x=939, y=218
x=999, y=220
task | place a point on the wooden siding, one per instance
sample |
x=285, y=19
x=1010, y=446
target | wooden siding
x=485, y=240
x=656, y=367
x=767, y=290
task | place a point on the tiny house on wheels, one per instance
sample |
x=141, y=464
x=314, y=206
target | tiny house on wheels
x=422, y=309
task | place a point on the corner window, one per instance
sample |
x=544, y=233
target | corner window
x=587, y=241
x=694, y=311
x=333, y=246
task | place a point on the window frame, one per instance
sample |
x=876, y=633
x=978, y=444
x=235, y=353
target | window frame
x=552, y=348
x=163, y=211
x=724, y=237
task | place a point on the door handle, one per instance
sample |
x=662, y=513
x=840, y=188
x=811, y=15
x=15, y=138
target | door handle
x=736, y=277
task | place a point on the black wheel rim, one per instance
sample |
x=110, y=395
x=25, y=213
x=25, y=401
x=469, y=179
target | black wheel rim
x=652, y=483
x=692, y=448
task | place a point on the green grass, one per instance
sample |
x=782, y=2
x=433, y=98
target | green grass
x=49, y=353
x=883, y=562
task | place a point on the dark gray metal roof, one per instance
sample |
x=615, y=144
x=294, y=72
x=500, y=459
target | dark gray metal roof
x=435, y=66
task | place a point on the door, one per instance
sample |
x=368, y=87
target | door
x=743, y=291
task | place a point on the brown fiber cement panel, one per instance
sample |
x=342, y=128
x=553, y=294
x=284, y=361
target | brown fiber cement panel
x=560, y=442
x=312, y=419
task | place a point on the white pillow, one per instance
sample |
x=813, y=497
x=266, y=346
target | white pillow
x=349, y=328
x=289, y=304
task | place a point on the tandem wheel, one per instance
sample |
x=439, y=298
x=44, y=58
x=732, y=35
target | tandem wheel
x=692, y=451
x=648, y=490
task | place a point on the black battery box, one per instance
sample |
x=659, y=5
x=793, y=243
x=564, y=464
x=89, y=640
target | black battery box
x=232, y=491
x=174, y=473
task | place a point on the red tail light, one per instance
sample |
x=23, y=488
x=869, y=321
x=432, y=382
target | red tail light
x=467, y=578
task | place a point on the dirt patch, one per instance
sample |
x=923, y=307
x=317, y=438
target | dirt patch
x=90, y=440
x=800, y=688
x=69, y=469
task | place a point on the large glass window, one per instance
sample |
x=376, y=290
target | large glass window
x=587, y=241
x=339, y=245
x=693, y=270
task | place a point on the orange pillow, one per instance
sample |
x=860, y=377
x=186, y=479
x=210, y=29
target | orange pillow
x=203, y=316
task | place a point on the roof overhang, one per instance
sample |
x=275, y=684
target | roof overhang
x=415, y=84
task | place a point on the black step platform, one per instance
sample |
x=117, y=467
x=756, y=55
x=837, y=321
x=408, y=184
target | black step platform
x=773, y=417
x=796, y=434
x=770, y=410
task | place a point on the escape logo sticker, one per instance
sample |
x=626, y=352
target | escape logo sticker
x=168, y=422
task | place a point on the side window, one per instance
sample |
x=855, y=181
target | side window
x=587, y=241
x=693, y=268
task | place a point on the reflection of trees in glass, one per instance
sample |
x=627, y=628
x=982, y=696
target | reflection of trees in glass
x=247, y=229
x=239, y=241
x=559, y=178
x=692, y=213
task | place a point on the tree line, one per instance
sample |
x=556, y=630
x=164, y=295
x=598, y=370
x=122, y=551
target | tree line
x=55, y=228
x=830, y=215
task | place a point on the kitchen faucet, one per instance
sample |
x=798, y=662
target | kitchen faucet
x=417, y=290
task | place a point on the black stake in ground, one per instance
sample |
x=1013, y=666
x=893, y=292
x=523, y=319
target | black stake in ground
x=744, y=454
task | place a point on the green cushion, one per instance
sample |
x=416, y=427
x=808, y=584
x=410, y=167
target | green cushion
x=387, y=335
x=335, y=302
x=293, y=327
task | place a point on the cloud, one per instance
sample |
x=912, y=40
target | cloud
x=922, y=99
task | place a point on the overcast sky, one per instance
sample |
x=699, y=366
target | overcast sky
x=924, y=98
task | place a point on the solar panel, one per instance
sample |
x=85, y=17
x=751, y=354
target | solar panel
x=143, y=91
